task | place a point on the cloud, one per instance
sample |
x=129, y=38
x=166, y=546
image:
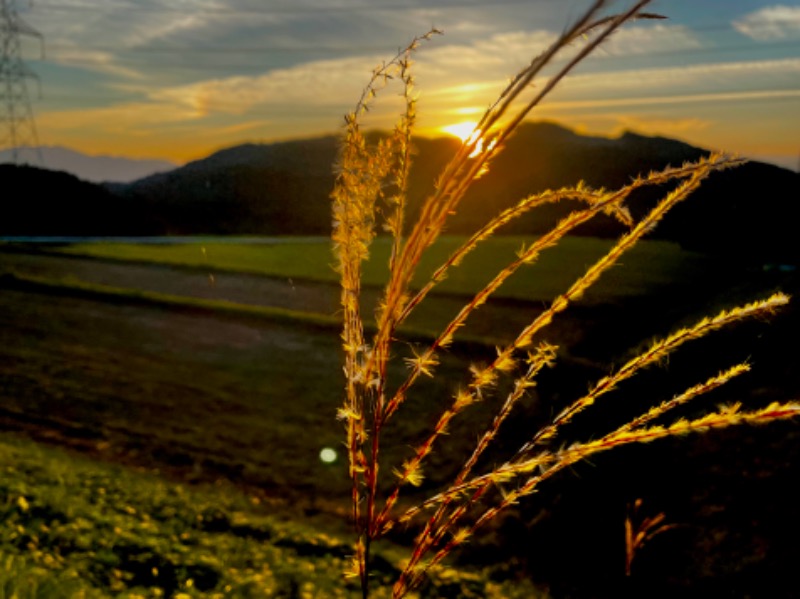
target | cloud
x=672, y=100
x=501, y=55
x=455, y=79
x=505, y=53
x=711, y=77
x=94, y=60
x=128, y=119
x=770, y=23
x=312, y=84
x=338, y=82
x=327, y=88
x=114, y=37
x=641, y=40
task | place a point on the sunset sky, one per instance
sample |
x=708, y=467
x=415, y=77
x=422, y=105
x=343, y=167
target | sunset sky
x=178, y=79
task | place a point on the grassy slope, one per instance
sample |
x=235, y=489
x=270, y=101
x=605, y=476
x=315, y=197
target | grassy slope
x=650, y=265
x=74, y=527
x=206, y=394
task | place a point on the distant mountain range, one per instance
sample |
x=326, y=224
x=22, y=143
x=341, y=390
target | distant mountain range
x=97, y=169
x=283, y=188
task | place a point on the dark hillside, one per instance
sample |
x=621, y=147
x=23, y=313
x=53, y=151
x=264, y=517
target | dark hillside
x=277, y=189
x=41, y=202
x=546, y=156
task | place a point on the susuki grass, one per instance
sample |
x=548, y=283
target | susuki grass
x=370, y=195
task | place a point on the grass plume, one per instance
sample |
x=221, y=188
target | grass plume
x=373, y=181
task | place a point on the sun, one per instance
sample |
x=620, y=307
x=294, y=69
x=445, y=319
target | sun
x=470, y=134
x=463, y=130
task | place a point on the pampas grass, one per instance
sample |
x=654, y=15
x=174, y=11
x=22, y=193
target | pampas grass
x=370, y=195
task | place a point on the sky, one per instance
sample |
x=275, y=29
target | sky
x=179, y=79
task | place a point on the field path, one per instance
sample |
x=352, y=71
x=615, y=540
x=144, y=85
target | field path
x=497, y=320
x=305, y=296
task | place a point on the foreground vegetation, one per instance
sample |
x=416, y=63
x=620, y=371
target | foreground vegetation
x=201, y=394
x=73, y=527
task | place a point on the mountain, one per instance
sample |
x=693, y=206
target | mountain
x=283, y=188
x=258, y=189
x=96, y=169
x=41, y=202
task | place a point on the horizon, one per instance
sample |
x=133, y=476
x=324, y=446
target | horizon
x=159, y=82
x=789, y=164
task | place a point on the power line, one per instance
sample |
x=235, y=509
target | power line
x=17, y=127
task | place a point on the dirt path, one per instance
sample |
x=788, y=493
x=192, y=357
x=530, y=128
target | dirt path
x=497, y=320
x=242, y=288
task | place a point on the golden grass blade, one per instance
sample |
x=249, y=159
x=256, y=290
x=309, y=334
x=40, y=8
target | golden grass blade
x=701, y=389
x=713, y=162
x=543, y=356
x=611, y=24
x=544, y=458
x=461, y=172
x=611, y=204
x=479, y=486
x=600, y=202
x=485, y=377
x=579, y=452
x=658, y=351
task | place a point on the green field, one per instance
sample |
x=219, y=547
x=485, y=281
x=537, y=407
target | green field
x=649, y=266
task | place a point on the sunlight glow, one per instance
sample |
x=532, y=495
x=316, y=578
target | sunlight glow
x=461, y=130
x=468, y=134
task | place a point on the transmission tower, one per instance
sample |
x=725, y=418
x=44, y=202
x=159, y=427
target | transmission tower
x=17, y=127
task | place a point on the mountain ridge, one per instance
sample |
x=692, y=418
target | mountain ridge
x=99, y=168
x=283, y=188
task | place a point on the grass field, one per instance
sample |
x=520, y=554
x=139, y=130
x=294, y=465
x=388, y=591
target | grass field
x=649, y=266
x=200, y=396
x=136, y=366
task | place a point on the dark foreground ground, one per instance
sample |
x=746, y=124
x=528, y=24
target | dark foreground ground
x=200, y=396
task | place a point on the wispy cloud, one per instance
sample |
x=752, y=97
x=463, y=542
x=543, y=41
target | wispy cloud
x=504, y=53
x=330, y=86
x=770, y=23
x=741, y=75
x=643, y=40
x=312, y=84
x=113, y=37
x=638, y=87
x=128, y=119
x=94, y=60
x=671, y=100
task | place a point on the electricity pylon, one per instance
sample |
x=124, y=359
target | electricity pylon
x=17, y=127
